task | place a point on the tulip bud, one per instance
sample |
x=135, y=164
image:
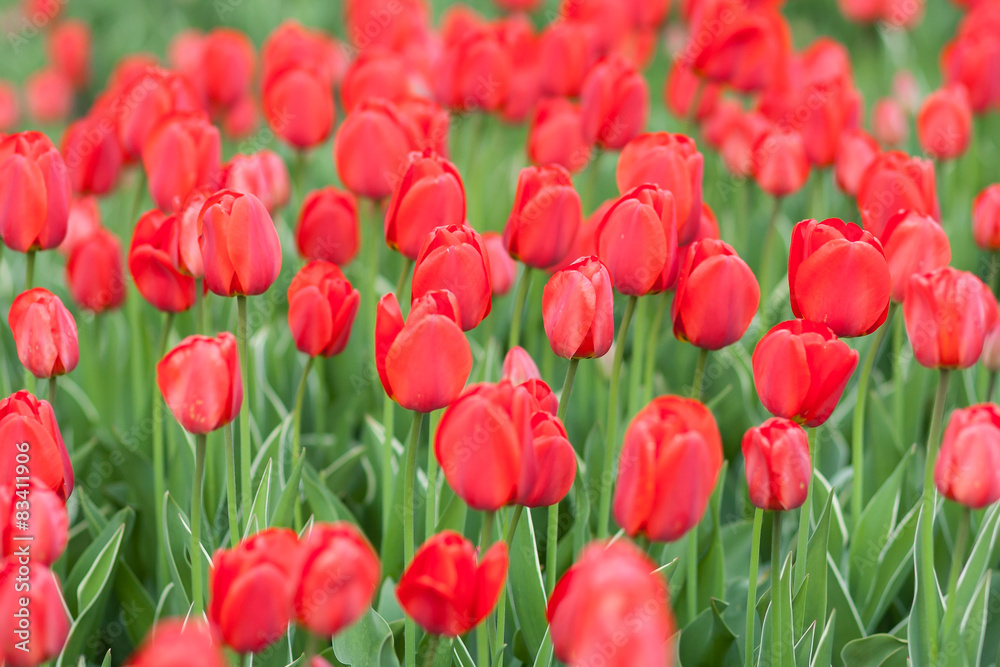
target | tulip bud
x=948, y=313
x=519, y=367
x=777, y=464
x=780, y=163
x=637, y=240
x=95, y=272
x=47, y=624
x=684, y=88
x=180, y=641
x=290, y=45
x=895, y=181
x=44, y=333
x=445, y=590
x=454, y=259
x=967, y=470
x=408, y=355
x=371, y=149
x=429, y=194
x=48, y=529
x=298, y=105
x=227, y=64
x=968, y=58
x=150, y=94
x=578, y=310
x=599, y=603
x=180, y=154
x=857, y=150
x=545, y=217
x=69, y=50
x=262, y=174
x=914, y=243
x=474, y=72
x=201, y=382
x=556, y=135
x=84, y=221
x=35, y=193
x=375, y=74
x=149, y=262
x=889, y=122
x=800, y=370
x=503, y=269
x=564, y=47
x=24, y=418
x=321, y=309
x=93, y=155
x=239, y=244
x=430, y=121
x=340, y=574
x=614, y=103
x=986, y=218
x=328, y=227
x=944, y=123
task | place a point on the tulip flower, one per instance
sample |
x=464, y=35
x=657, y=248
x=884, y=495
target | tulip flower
x=371, y=148
x=430, y=122
x=780, y=163
x=684, y=88
x=241, y=119
x=69, y=50
x=24, y=418
x=518, y=366
x=445, y=590
x=410, y=356
x=180, y=641
x=84, y=221
x=545, y=217
x=239, y=244
x=778, y=464
x=375, y=74
x=944, y=123
x=889, y=122
x=151, y=94
x=227, y=66
x=201, y=383
x=474, y=73
x=290, y=45
x=555, y=135
x=48, y=625
x=429, y=194
x=454, y=259
x=95, y=272
x=914, y=243
x=503, y=270
x=667, y=469
x=328, y=227
x=986, y=218
x=829, y=259
x=948, y=313
x=48, y=96
x=892, y=182
x=713, y=272
x=594, y=615
x=967, y=470
x=48, y=530
x=338, y=580
x=970, y=58
x=855, y=153
x=149, y=263
x=181, y=154
x=991, y=354
x=800, y=370
x=298, y=106
x=92, y=154
x=578, y=310
x=262, y=174
x=321, y=309
x=35, y=191
x=183, y=246
x=564, y=47
x=637, y=240
x=614, y=103
x=44, y=333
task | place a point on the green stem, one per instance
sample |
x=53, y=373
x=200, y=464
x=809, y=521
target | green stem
x=234, y=521
x=29, y=269
x=246, y=451
x=52, y=391
x=430, y=517
x=766, y=260
x=482, y=640
x=159, y=458
x=502, y=602
x=552, y=530
x=652, y=337
x=593, y=179
x=297, y=435
x=404, y=276
x=699, y=375
x=957, y=561
x=522, y=295
x=692, y=540
x=758, y=524
x=642, y=321
x=199, y=477
x=898, y=376
x=776, y=647
x=991, y=386
x=200, y=308
x=805, y=514
x=926, y=578
x=612, y=434
x=388, y=417
x=409, y=477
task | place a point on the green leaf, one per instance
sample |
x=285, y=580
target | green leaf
x=259, y=508
x=918, y=628
x=895, y=565
x=284, y=511
x=822, y=491
x=815, y=584
x=526, y=585
x=706, y=639
x=872, y=651
x=783, y=606
x=107, y=659
x=461, y=655
x=803, y=650
x=979, y=559
x=138, y=607
x=453, y=516
x=324, y=504
x=367, y=643
x=544, y=656
x=849, y=625
x=974, y=623
x=435, y=651
x=823, y=656
x=84, y=564
x=177, y=538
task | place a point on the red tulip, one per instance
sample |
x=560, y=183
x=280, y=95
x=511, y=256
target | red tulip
x=386, y=23
x=637, y=240
x=181, y=154
x=95, y=272
x=149, y=263
x=914, y=243
x=973, y=56
x=413, y=370
x=967, y=470
x=777, y=464
x=991, y=349
x=503, y=269
x=340, y=574
x=578, y=310
x=375, y=73
x=24, y=418
x=84, y=220
x=524, y=91
x=183, y=246
x=565, y=49
x=944, y=123
x=986, y=218
x=430, y=121
x=241, y=119
x=474, y=73
x=545, y=217
x=519, y=367
x=612, y=608
x=948, y=313
x=47, y=528
x=298, y=105
x=227, y=66
x=44, y=333
x=49, y=96
x=906, y=90
x=69, y=50
x=148, y=95
x=780, y=163
x=201, y=383
x=445, y=590
x=556, y=135
x=430, y=194
x=328, y=226
x=857, y=150
x=290, y=45
x=180, y=642
x=262, y=174
x=252, y=588
x=738, y=134
x=92, y=154
x=321, y=309
x=895, y=181
x=683, y=88
x=889, y=122
x=9, y=114
x=614, y=103
x=372, y=147
x=35, y=193
x=39, y=637
x=239, y=244
x=800, y=369
x=454, y=259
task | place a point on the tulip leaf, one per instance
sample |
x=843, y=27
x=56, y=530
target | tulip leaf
x=804, y=647
x=918, y=629
x=284, y=510
x=849, y=626
x=821, y=492
x=706, y=639
x=83, y=566
x=873, y=651
x=544, y=656
x=973, y=630
x=434, y=651
x=326, y=506
x=894, y=566
x=177, y=539
x=783, y=606
x=525, y=584
x=815, y=583
x=257, y=520
x=453, y=516
x=367, y=643
x=823, y=655
x=107, y=659
x=978, y=562
x=460, y=654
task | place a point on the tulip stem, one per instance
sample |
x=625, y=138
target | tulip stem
x=404, y=276
x=652, y=337
x=858, y=433
x=805, y=514
x=638, y=352
x=758, y=524
x=199, y=476
x=612, y=432
x=502, y=602
x=297, y=435
x=991, y=386
x=957, y=561
x=242, y=336
x=200, y=307
x=159, y=458
x=52, y=391
x=552, y=530
x=234, y=517
x=926, y=578
x=29, y=270
x=430, y=517
x=776, y=620
x=766, y=261
x=388, y=417
x=691, y=587
x=523, y=284
x=409, y=477
x=699, y=375
x=482, y=641
x=898, y=394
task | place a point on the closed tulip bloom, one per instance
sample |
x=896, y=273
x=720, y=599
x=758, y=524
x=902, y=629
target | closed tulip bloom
x=948, y=313
x=637, y=240
x=545, y=217
x=183, y=246
x=944, y=123
x=262, y=174
x=565, y=49
x=423, y=363
x=578, y=310
x=454, y=259
x=474, y=73
x=328, y=227
x=967, y=470
x=95, y=272
x=895, y=181
x=48, y=529
x=241, y=119
x=832, y=258
x=556, y=135
x=430, y=194
x=201, y=383
x=780, y=164
x=227, y=64
x=239, y=244
x=713, y=273
x=371, y=149
x=24, y=418
x=612, y=596
x=890, y=124
x=49, y=624
x=672, y=162
x=44, y=333
x=972, y=56
x=151, y=94
x=340, y=574
x=290, y=44
x=855, y=153
x=35, y=193
x=614, y=102
x=48, y=95
x=914, y=243
x=322, y=305
x=151, y=267
x=446, y=589
x=69, y=51
x=298, y=106
x=180, y=641
x=684, y=88
x=92, y=154
x=252, y=587
x=778, y=465
x=503, y=269
x=986, y=218
x=431, y=122
x=182, y=153
x=519, y=367
x=800, y=370
x=375, y=73
x=84, y=220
